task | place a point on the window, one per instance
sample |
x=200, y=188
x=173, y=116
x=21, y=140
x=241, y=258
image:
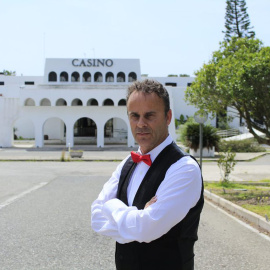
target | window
x=92, y=102
x=29, y=83
x=29, y=102
x=121, y=77
x=61, y=102
x=2, y=83
x=64, y=77
x=45, y=102
x=86, y=77
x=52, y=77
x=171, y=84
x=132, y=77
x=75, y=77
x=98, y=77
x=189, y=84
x=109, y=77
x=76, y=102
x=108, y=102
x=122, y=102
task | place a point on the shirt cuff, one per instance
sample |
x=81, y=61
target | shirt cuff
x=114, y=210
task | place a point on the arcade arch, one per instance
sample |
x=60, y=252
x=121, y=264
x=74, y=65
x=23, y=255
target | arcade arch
x=52, y=77
x=86, y=77
x=75, y=77
x=29, y=102
x=115, y=131
x=63, y=76
x=45, y=102
x=92, y=102
x=98, y=77
x=132, y=76
x=109, y=77
x=121, y=77
x=61, y=102
x=76, y=102
x=54, y=131
x=108, y=102
x=122, y=102
x=85, y=131
x=23, y=133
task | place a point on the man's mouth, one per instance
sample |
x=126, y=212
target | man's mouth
x=142, y=133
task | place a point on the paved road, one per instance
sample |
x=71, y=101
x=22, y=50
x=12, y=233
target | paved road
x=48, y=227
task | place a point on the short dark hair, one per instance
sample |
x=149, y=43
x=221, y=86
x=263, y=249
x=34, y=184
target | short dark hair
x=150, y=86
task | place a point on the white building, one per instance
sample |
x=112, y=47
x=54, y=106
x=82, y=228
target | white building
x=78, y=101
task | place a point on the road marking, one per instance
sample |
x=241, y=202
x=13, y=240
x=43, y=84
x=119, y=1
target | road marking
x=240, y=221
x=17, y=197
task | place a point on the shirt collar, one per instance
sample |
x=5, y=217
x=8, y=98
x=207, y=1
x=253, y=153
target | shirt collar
x=155, y=152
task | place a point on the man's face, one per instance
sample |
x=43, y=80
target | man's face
x=148, y=122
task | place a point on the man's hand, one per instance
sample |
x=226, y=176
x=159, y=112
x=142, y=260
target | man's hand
x=153, y=200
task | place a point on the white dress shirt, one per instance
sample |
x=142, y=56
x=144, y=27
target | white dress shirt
x=177, y=194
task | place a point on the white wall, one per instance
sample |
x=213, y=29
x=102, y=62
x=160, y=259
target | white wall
x=54, y=128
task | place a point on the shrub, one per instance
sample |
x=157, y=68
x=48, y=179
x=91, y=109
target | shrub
x=226, y=164
x=182, y=119
x=191, y=136
x=176, y=123
x=244, y=146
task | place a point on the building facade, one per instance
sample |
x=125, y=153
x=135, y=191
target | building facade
x=78, y=101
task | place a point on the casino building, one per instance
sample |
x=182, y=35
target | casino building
x=78, y=101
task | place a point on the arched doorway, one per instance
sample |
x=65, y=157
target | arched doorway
x=85, y=132
x=23, y=133
x=54, y=131
x=115, y=132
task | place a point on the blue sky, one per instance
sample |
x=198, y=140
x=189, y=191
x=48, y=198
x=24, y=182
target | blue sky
x=169, y=37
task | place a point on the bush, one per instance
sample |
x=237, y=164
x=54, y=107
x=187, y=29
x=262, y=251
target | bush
x=176, y=123
x=191, y=136
x=182, y=119
x=226, y=164
x=244, y=146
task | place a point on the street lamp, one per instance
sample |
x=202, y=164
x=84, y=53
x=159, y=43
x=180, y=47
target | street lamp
x=201, y=117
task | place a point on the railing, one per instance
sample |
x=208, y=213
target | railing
x=228, y=133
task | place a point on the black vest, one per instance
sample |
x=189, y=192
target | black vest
x=172, y=251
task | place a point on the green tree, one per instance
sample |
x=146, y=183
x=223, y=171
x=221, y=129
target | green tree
x=238, y=77
x=237, y=21
x=9, y=73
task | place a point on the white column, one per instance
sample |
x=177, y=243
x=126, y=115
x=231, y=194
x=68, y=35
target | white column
x=131, y=141
x=9, y=109
x=100, y=136
x=38, y=134
x=69, y=135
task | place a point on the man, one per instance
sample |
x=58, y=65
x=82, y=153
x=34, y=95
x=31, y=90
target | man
x=151, y=207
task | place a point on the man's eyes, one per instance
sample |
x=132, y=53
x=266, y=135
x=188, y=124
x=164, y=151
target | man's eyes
x=134, y=116
x=147, y=116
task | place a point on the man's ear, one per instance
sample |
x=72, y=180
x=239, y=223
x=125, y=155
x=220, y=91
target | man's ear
x=169, y=117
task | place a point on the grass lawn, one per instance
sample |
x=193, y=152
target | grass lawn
x=254, y=196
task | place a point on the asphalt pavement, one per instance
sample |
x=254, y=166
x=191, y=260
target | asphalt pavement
x=249, y=167
x=45, y=222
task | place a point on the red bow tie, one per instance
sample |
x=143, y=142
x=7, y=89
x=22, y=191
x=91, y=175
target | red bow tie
x=138, y=157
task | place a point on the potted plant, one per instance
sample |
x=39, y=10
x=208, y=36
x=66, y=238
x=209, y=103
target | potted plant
x=191, y=138
x=76, y=153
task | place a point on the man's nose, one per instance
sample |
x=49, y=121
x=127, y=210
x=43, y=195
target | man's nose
x=141, y=122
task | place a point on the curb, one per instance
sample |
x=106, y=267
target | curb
x=248, y=215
